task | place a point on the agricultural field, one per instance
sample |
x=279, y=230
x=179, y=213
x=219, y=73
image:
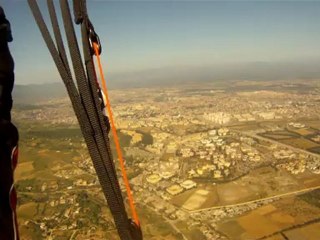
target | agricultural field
x=302, y=138
x=251, y=179
x=261, y=183
x=309, y=232
x=59, y=195
x=289, y=216
x=300, y=143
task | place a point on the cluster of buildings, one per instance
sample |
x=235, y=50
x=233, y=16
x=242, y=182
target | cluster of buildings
x=219, y=152
x=284, y=154
x=296, y=125
x=165, y=184
x=220, y=118
x=294, y=167
x=175, y=163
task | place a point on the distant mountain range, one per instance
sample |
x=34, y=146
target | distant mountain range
x=256, y=71
x=33, y=93
x=175, y=76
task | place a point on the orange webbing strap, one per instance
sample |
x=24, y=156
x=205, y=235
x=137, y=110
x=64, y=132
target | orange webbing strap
x=116, y=139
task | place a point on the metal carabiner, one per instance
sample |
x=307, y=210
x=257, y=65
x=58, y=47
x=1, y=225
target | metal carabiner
x=135, y=230
x=94, y=38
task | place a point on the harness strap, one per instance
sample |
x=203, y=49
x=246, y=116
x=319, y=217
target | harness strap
x=116, y=138
x=57, y=35
x=85, y=102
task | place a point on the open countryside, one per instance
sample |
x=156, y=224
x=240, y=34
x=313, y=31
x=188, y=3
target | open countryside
x=204, y=172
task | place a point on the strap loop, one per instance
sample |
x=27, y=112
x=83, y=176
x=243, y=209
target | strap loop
x=78, y=10
x=85, y=100
x=94, y=40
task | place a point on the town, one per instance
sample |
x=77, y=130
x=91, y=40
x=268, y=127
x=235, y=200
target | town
x=197, y=157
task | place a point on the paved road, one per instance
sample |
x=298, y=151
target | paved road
x=278, y=143
x=259, y=200
x=171, y=222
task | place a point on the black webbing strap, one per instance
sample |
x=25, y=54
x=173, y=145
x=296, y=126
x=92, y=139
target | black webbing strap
x=79, y=10
x=86, y=104
x=57, y=35
x=87, y=86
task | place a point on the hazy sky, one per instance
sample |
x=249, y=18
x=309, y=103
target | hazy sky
x=142, y=35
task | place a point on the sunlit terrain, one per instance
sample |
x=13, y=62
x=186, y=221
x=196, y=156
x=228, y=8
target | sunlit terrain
x=235, y=160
